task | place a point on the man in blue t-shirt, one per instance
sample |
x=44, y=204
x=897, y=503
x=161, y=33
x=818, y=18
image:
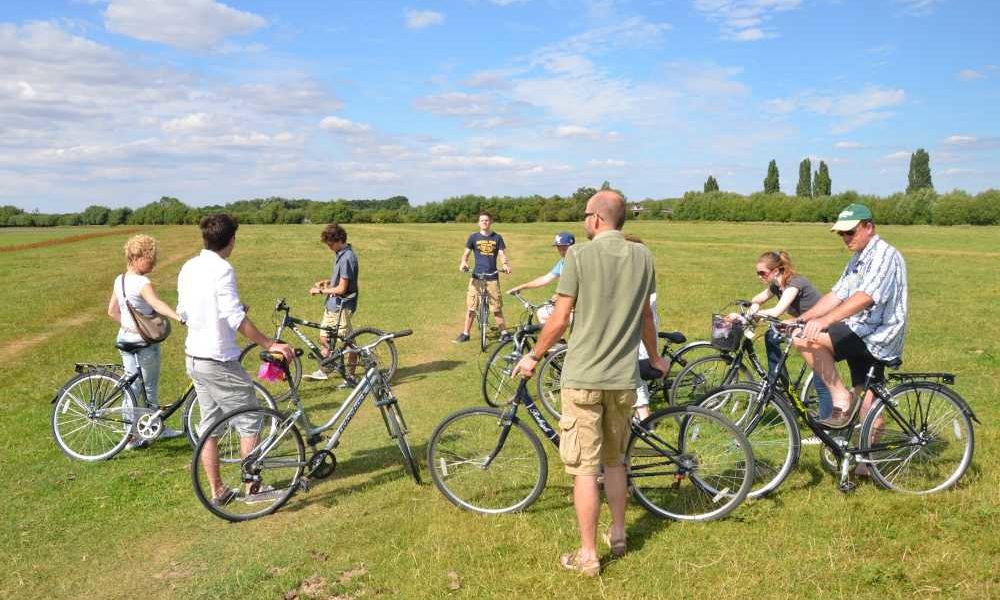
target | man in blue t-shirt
x=487, y=246
x=563, y=241
x=341, y=292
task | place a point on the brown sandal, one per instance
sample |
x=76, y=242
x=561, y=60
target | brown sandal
x=617, y=546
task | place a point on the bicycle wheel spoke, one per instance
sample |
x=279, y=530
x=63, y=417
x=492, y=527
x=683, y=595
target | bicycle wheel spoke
x=87, y=420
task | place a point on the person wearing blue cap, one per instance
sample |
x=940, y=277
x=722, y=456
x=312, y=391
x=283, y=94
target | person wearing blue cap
x=862, y=320
x=562, y=242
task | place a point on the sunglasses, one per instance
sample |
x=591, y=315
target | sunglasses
x=763, y=273
x=845, y=234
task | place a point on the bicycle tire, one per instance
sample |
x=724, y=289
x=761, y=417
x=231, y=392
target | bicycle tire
x=548, y=380
x=688, y=353
x=397, y=431
x=714, y=454
x=774, y=437
x=498, y=384
x=944, y=451
x=250, y=361
x=700, y=377
x=282, y=465
x=456, y=455
x=81, y=429
x=192, y=410
x=484, y=321
x=385, y=352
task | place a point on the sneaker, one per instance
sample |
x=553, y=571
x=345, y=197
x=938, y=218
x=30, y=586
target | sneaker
x=136, y=443
x=318, y=375
x=224, y=497
x=266, y=493
x=169, y=433
x=811, y=441
x=346, y=385
x=462, y=337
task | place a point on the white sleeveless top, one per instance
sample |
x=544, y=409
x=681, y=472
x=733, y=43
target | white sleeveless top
x=133, y=284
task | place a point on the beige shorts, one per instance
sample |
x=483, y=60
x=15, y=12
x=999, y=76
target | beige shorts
x=339, y=319
x=492, y=289
x=594, y=429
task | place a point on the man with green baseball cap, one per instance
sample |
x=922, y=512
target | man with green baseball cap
x=862, y=320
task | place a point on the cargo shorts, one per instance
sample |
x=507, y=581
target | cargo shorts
x=492, y=290
x=594, y=429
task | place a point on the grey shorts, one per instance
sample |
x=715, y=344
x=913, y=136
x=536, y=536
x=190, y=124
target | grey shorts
x=222, y=387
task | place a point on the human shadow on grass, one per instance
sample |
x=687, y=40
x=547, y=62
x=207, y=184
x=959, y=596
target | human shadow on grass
x=418, y=372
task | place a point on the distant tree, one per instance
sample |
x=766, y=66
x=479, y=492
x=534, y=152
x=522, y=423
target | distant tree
x=711, y=185
x=920, y=171
x=606, y=185
x=95, y=215
x=821, y=182
x=119, y=216
x=771, y=183
x=804, y=188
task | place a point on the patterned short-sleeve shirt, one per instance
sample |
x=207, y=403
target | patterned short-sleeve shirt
x=879, y=271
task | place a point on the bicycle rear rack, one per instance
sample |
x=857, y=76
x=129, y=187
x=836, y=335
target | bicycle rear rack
x=946, y=378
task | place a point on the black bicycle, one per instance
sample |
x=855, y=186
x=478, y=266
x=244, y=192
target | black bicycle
x=335, y=362
x=483, y=307
x=916, y=438
x=685, y=463
x=498, y=385
x=96, y=412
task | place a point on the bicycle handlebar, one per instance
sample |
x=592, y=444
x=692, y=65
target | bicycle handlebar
x=379, y=340
x=276, y=357
x=527, y=303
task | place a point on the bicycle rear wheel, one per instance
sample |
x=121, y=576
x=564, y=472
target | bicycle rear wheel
x=689, y=464
x=250, y=361
x=385, y=352
x=548, y=382
x=259, y=471
x=192, y=410
x=933, y=459
x=771, y=429
x=93, y=416
x=498, y=384
x=700, y=377
x=397, y=431
x=457, y=457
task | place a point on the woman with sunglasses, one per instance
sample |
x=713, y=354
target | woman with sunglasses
x=795, y=296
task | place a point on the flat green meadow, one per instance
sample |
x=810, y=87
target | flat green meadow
x=131, y=527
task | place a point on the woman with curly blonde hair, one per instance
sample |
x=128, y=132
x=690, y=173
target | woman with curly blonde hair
x=133, y=285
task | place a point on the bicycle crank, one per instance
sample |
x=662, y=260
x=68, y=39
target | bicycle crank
x=322, y=464
x=149, y=427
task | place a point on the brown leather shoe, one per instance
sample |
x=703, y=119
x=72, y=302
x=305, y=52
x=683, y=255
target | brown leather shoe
x=571, y=561
x=840, y=418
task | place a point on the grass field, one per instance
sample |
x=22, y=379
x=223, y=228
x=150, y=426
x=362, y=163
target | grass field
x=132, y=527
x=16, y=236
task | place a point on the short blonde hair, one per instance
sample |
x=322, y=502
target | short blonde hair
x=140, y=246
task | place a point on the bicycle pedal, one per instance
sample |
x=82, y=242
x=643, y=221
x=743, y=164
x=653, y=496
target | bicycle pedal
x=304, y=484
x=846, y=487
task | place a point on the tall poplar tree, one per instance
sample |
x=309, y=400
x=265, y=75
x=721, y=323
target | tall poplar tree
x=711, y=185
x=920, y=172
x=821, y=182
x=771, y=183
x=804, y=188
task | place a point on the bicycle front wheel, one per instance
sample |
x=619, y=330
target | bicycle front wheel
x=700, y=377
x=457, y=456
x=549, y=380
x=397, y=431
x=687, y=354
x=250, y=361
x=498, y=384
x=260, y=461
x=689, y=464
x=922, y=446
x=93, y=416
x=192, y=410
x=771, y=429
x=385, y=352
x=484, y=321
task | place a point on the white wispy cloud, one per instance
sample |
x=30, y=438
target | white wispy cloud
x=970, y=74
x=971, y=142
x=845, y=145
x=608, y=163
x=745, y=20
x=345, y=126
x=849, y=111
x=420, y=19
x=899, y=155
x=188, y=24
x=919, y=7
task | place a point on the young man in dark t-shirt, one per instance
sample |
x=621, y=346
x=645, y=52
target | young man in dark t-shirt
x=487, y=246
x=341, y=292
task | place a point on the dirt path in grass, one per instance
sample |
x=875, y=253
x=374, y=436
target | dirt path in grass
x=66, y=240
x=10, y=351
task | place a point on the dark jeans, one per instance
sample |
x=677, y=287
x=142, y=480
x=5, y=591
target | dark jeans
x=772, y=345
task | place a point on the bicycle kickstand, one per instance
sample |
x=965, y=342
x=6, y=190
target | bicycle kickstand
x=846, y=485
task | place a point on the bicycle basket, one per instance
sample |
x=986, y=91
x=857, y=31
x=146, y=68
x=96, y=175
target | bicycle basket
x=726, y=333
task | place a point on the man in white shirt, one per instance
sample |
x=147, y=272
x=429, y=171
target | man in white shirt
x=208, y=302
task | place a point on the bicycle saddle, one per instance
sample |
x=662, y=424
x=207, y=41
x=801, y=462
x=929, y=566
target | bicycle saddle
x=895, y=363
x=675, y=337
x=131, y=347
x=532, y=328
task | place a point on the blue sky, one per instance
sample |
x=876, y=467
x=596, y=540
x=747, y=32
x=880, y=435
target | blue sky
x=119, y=102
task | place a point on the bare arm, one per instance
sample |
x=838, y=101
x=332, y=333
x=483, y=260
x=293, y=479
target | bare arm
x=463, y=265
x=537, y=282
x=827, y=303
x=787, y=297
x=503, y=258
x=250, y=330
x=759, y=299
x=857, y=302
x=114, y=311
x=649, y=340
x=338, y=290
x=149, y=295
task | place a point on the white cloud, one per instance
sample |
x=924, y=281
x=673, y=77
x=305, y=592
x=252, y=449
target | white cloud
x=848, y=145
x=345, y=126
x=959, y=171
x=455, y=104
x=608, y=163
x=189, y=24
x=744, y=20
x=849, y=111
x=970, y=74
x=970, y=143
x=899, y=155
x=576, y=131
x=192, y=122
x=420, y=19
x=918, y=7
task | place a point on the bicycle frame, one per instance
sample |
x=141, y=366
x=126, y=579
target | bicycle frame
x=292, y=323
x=163, y=411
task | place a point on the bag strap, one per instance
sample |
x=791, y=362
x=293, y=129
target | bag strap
x=131, y=309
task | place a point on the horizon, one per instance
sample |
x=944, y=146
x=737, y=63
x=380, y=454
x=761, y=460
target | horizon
x=117, y=103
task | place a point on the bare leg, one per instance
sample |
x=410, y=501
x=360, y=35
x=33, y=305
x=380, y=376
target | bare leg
x=210, y=460
x=501, y=323
x=587, y=501
x=469, y=316
x=616, y=490
x=642, y=411
x=819, y=354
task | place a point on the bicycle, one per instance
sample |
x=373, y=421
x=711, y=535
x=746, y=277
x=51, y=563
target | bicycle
x=736, y=360
x=684, y=463
x=497, y=384
x=387, y=357
x=548, y=385
x=483, y=307
x=276, y=452
x=96, y=411
x=916, y=438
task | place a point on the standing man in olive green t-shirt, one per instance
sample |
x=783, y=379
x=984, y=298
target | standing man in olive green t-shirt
x=608, y=283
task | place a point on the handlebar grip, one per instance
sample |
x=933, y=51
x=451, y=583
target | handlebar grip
x=402, y=333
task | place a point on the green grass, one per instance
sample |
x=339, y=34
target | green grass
x=16, y=236
x=132, y=525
